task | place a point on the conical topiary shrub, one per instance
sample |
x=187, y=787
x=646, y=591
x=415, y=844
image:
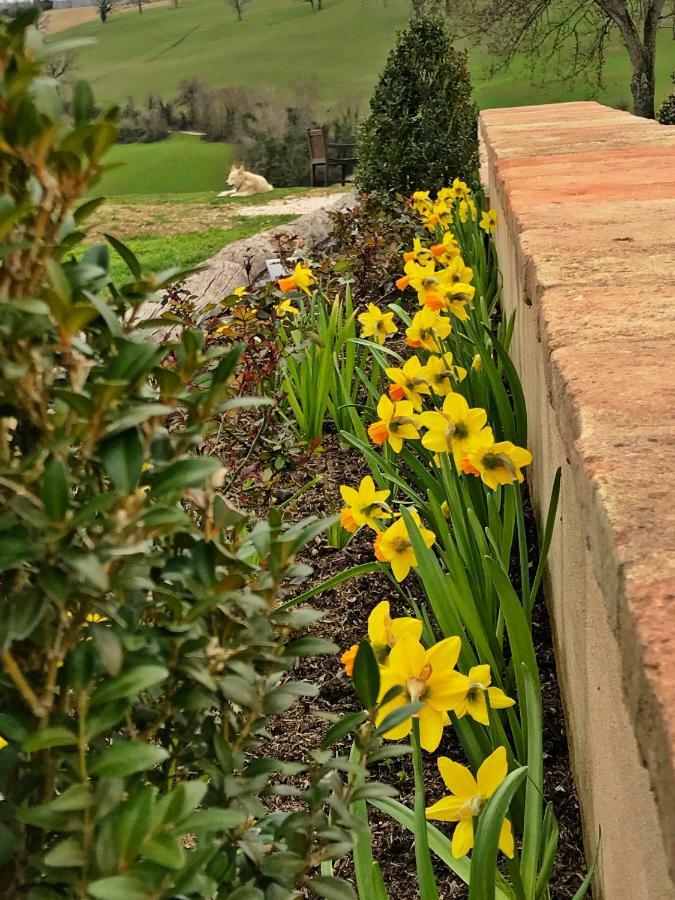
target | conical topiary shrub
x=422, y=128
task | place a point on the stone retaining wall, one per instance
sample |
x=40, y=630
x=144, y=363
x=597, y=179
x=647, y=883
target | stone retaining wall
x=586, y=239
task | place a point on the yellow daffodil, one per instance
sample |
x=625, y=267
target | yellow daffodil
x=408, y=382
x=468, y=796
x=441, y=374
x=396, y=424
x=384, y=632
x=348, y=659
x=496, y=463
x=286, y=308
x=423, y=675
x=440, y=214
x=447, y=250
x=445, y=509
x=473, y=693
x=477, y=363
x=395, y=546
x=240, y=291
x=460, y=190
x=467, y=210
x=301, y=279
x=488, y=221
x=3, y=743
x=453, y=429
x=422, y=202
x=419, y=253
x=458, y=272
x=377, y=324
x=454, y=299
x=427, y=330
x=365, y=505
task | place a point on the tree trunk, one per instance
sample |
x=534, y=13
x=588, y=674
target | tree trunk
x=643, y=83
x=140, y=6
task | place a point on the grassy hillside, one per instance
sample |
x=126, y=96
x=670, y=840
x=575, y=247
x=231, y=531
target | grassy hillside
x=336, y=53
x=183, y=163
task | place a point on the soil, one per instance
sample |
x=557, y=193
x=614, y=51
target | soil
x=345, y=613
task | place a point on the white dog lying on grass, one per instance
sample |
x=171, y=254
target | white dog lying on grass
x=245, y=184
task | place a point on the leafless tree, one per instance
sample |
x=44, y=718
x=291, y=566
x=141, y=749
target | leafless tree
x=551, y=28
x=61, y=64
x=239, y=6
x=317, y=5
x=105, y=7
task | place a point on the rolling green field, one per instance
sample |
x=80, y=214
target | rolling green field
x=183, y=163
x=335, y=54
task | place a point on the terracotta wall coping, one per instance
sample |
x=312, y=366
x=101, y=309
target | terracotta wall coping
x=589, y=194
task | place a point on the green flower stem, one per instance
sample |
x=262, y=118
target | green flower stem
x=522, y=551
x=425, y=872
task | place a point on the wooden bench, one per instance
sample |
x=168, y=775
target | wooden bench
x=321, y=153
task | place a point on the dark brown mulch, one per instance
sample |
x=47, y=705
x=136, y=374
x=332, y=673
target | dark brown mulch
x=346, y=609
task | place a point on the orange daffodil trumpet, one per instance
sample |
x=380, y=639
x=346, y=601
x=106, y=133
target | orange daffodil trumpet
x=468, y=796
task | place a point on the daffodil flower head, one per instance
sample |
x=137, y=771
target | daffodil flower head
x=376, y=324
x=384, y=632
x=488, y=221
x=474, y=694
x=422, y=674
x=467, y=209
x=408, y=382
x=447, y=250
x=301, y=279
x=458, y=272
x=428, y=329
x=3, y=743
x=468, y=796
x=286, y=308
x=240, y=291
x=421, y=202
x=441, y=374
x=456, y=428
x=495, y=462
x=395, y=546
x=419, y=253
x=365, y=505
x=396, y=424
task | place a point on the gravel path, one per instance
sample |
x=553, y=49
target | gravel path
x=287, y=205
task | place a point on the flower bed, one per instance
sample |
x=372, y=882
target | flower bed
x=153, y=632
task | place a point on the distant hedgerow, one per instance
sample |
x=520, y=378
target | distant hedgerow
x=422, y=126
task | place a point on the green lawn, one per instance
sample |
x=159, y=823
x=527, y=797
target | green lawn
x=182, y=163
x=337, y=53
x=184, y=250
